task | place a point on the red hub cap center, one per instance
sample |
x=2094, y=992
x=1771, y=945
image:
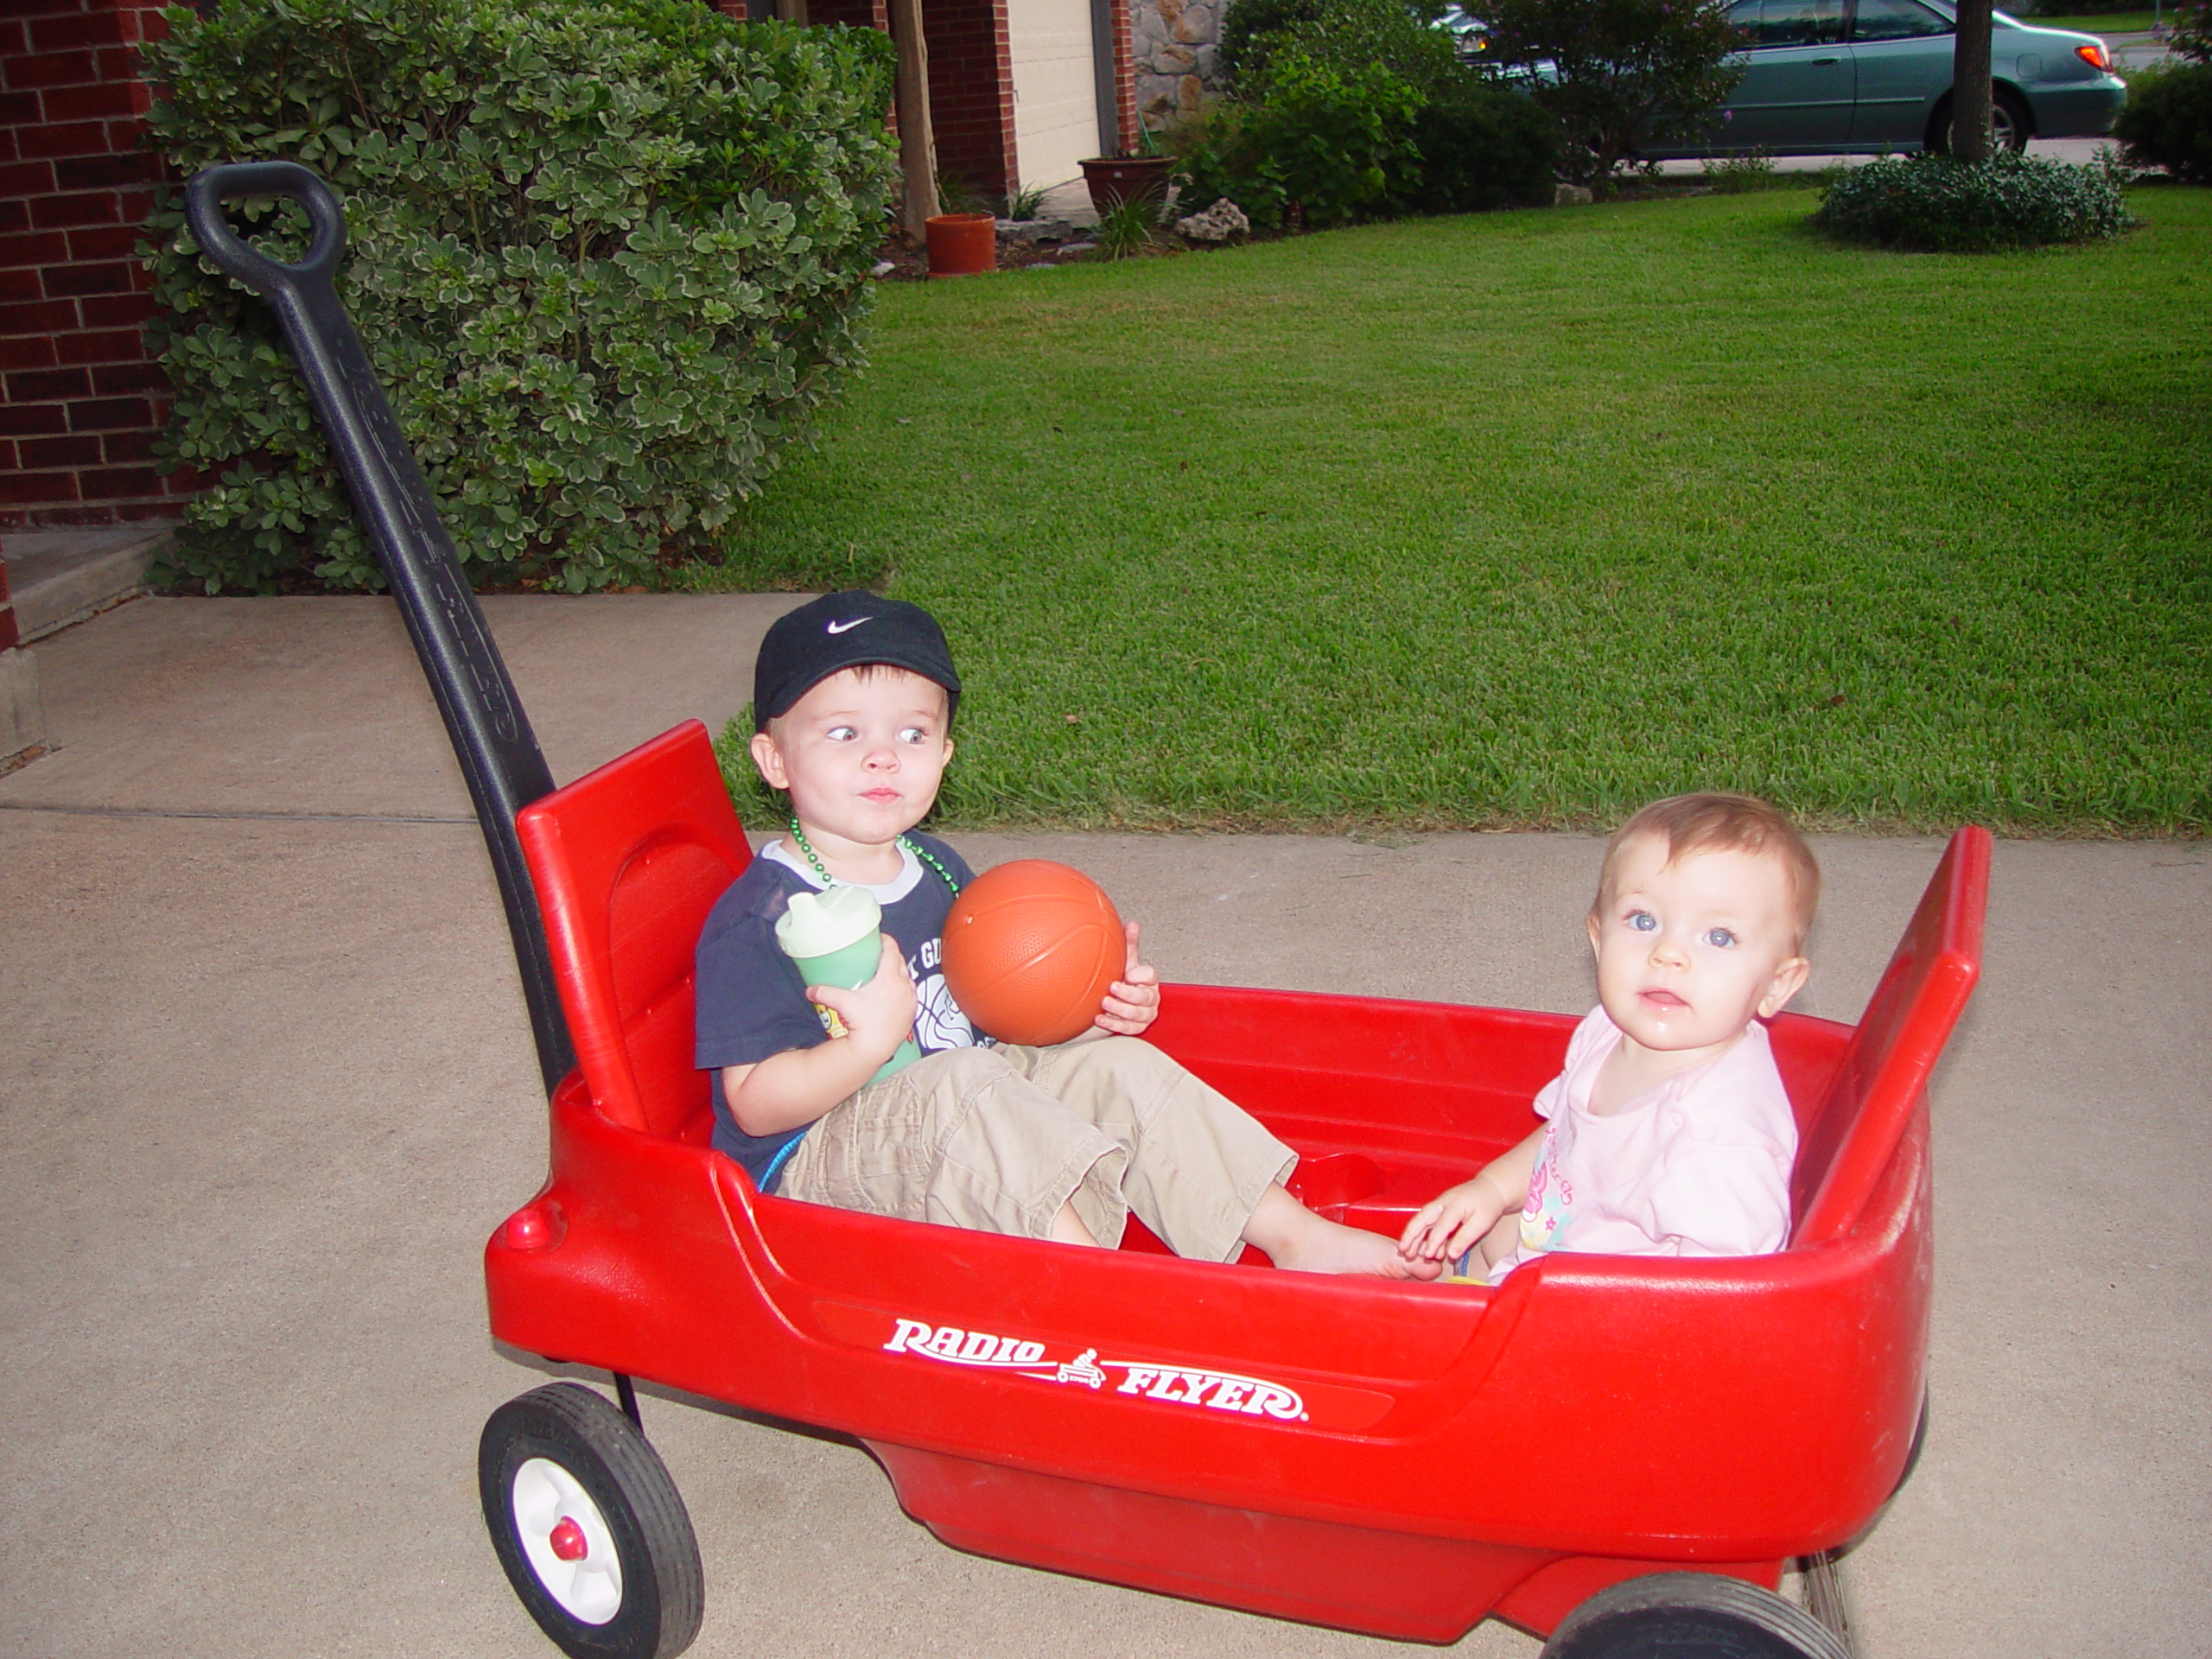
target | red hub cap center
x=567, y=1541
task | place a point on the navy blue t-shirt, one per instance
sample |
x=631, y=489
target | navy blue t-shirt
x=752, y=1002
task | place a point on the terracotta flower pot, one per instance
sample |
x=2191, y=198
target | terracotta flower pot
x=963, y=244
x=1114, y=179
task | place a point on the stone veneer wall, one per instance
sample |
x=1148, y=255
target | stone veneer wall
x=1176, y=43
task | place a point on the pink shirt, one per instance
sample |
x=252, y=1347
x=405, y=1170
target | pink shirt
x=1698, y=1167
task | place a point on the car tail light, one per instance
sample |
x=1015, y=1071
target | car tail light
x=2094, y=55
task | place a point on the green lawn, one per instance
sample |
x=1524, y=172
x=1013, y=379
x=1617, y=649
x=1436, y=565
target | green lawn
x=1524, y=518
x=2103, y=22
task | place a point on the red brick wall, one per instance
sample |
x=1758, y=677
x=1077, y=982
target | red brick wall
x=971, y=80
x=9, y=633
x=79, y=400
x=971, y=91
x=1125, y=78
x=859, y=14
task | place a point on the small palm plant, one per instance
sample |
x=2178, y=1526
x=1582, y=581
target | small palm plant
x=1130, y=226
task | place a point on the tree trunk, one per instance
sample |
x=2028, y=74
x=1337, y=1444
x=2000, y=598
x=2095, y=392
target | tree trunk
x=1970, y=95
x=917, y=144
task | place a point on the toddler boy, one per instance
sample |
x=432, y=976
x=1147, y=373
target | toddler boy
x=1668, y=1133
x=854, y=697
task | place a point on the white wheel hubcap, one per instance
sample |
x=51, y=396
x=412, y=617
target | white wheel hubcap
x=588, y=1585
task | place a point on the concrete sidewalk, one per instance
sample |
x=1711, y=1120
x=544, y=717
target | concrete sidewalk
x=2074, y=152
x=271, y=1086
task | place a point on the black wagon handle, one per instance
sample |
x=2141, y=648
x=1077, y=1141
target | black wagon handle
x=490, y=734
x=208, y=190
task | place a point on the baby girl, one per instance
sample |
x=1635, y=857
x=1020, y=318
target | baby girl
x=1668, y=1133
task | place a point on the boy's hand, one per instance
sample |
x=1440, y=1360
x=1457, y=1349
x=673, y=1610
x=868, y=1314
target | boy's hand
x=880, y=1016
x=1454, y=1223
x=1133, y=1000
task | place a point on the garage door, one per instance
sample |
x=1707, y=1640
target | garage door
x=1055, y=93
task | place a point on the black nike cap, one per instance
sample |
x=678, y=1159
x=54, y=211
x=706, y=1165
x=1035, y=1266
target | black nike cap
x=839, y=631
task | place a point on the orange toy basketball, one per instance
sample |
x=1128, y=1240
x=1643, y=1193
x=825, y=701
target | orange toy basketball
x=1031, y=949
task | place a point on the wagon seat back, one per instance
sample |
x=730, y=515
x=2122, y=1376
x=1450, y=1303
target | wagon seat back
x=1846, y=1143
x=627, y=860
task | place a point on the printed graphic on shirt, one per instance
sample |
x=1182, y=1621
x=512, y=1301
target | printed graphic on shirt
x=1550, y=1210
x=938, y=1022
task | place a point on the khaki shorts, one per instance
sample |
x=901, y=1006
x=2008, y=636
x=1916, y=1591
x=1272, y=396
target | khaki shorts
x=998, y=1139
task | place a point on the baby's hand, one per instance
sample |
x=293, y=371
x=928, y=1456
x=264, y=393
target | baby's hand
x=880, y=1016
x=1454, y=1223
x=1133, y=1000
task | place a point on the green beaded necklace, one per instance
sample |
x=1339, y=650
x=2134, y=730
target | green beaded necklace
x=915, y=847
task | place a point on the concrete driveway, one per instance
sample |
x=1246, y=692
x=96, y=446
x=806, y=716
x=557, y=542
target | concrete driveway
x=269, y=1087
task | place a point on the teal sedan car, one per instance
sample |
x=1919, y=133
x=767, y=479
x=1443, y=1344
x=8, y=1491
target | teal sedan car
x=1828, y=77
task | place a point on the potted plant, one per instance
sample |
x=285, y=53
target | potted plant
x=1112, y=179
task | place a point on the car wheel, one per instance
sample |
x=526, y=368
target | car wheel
x=2010, y=123
x=1691, y=1616
x=591, y=1530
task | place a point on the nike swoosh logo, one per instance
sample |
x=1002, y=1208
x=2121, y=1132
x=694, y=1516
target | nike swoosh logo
x=840, y=627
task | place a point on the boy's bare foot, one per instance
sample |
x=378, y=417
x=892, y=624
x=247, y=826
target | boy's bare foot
x=1301, y=1242
x=1328, y=1247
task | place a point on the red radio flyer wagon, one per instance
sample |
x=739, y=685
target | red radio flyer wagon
x=1620, y=1453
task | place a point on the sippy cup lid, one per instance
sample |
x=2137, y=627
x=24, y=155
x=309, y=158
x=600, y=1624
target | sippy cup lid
x=816, y=923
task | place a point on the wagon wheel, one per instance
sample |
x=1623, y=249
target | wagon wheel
x=591, y=1530
x=1691, y=1616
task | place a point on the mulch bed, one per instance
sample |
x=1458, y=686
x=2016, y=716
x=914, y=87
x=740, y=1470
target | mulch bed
x=910, y=264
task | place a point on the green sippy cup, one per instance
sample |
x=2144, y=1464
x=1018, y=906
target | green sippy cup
x=835, y=938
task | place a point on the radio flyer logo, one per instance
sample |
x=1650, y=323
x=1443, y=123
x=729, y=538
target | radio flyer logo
x=1176, y=1385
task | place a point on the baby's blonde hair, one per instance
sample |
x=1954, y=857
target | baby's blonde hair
x=1724, y=823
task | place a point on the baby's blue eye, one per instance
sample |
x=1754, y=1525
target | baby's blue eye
x=916, y=735
x=1643, y=921
x=1720, y=937
x=841, y=733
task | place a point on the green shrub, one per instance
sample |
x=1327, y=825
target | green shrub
x=1619, y=74
x=1483, y=147
x=2168, y=120
x=1247, y=21
x=1217, y=154
x=607, y=255
x=2189, y=34
x=1343, y=34
x=1336, y=145
x=1357, y=109
x=1931, y=203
